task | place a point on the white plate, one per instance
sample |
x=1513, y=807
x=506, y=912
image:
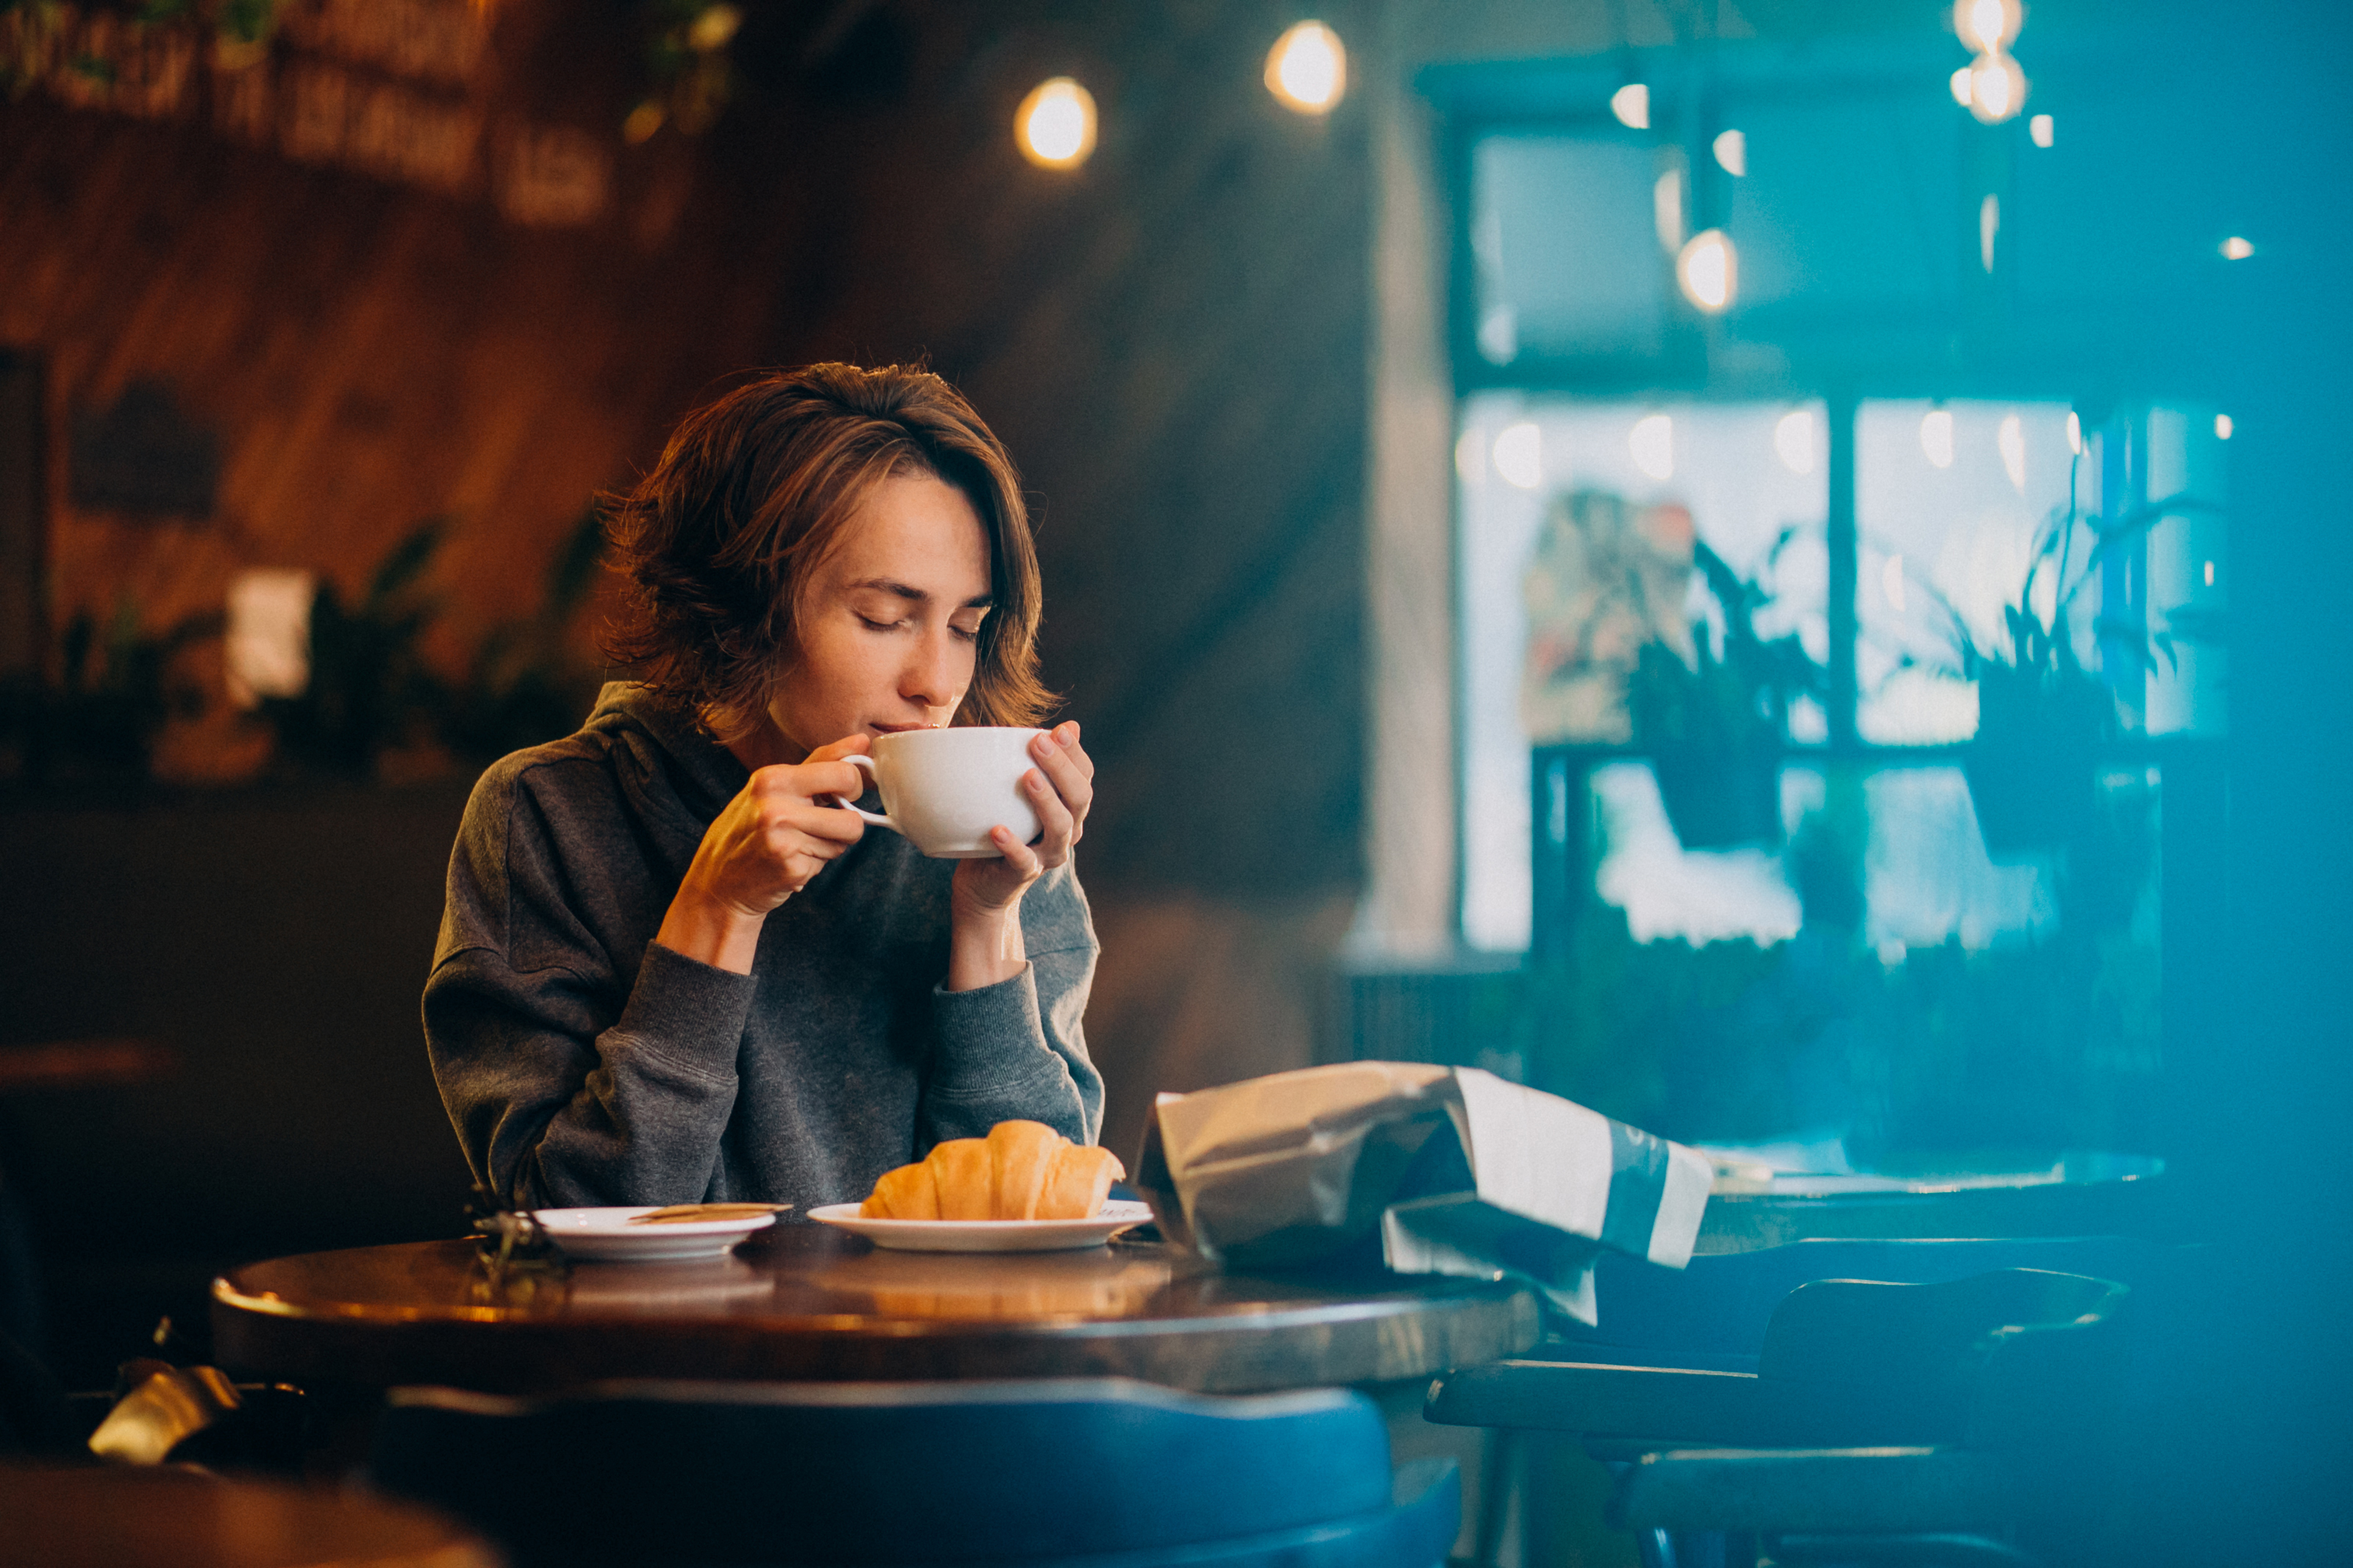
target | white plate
x=607, y=1235
x=986, y=1235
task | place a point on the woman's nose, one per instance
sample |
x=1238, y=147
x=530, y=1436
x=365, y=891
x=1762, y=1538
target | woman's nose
x=934, y=678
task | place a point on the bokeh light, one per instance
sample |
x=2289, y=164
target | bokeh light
x=2222, y=426
x=1632, y=105
x=1470, y=457
x=1987, y=27
x=2235, y=248
x=2039, y=131
x=1519, y=455
x=2010, y=439
x=1667, y=208
x=1937, y=436
x=1055, y=124
x=1997, y=89
x=1708, y=269
x=1793, y=441
x=1307, y=69
x=1652, y=444
x=1732, y=153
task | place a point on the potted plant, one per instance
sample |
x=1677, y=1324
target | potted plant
x=2042, y=717
x=369, y=688
x=117, y=688
x=1715, y=725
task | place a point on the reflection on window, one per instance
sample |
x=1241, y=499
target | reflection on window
x=1943, y=936
x=1927, y=879
x=1654, y=576
x=1952, y=502
x=1971, y=514
x=1560, y=242
x=1585, y=528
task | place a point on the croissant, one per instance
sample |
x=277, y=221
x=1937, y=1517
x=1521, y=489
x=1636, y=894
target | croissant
x=1022, y=1170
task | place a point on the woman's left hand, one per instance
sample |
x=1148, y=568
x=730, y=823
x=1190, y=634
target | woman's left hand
x=1060, y=788
x=984, y=902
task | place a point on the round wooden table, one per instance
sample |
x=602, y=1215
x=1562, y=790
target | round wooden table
x=2085, y=1196
x=801, y=1302
x=149, y=1518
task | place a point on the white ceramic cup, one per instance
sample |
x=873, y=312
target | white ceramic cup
x=944, y=789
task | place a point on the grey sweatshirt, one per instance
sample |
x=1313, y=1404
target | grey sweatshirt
x=582, y=1064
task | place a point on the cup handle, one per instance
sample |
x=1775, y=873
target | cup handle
x=861, y=759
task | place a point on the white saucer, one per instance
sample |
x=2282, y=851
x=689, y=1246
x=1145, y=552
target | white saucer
x=607, y=1235
x=986, y=1235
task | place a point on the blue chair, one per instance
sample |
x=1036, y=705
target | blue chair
x=1102, y=1472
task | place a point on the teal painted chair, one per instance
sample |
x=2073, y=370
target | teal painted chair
x=1105, y=1473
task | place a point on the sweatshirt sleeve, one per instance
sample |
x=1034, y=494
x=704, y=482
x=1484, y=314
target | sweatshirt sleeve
x=569, y=1081
x=1018, y=1049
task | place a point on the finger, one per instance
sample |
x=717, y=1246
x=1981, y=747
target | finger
x=1066, y=736
x=828, y=778
x=1019, y=858
x=1071, y=773
x=1057, y=827
x=830, y=823
x=848, y=746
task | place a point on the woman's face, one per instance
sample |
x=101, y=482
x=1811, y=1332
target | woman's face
x=890, y=628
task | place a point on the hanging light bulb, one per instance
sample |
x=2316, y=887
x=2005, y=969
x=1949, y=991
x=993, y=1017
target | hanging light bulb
x=1988, y=27
x=1055, y=124
x=1708, y=269
x=1997, y=89
x=1307, y=69
x=1632, y=105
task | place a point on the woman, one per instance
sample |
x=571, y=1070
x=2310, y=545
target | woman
x=670, y=969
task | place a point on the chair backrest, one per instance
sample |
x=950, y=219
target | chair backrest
x=2008, y=1358
x=880, y=1473
x=1713, y=1314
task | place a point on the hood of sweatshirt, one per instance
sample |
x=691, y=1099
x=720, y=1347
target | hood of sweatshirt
x=672, y=768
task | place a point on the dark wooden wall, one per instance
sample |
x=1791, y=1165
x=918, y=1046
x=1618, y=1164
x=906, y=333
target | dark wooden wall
x=368, y=355
x=1171, y=339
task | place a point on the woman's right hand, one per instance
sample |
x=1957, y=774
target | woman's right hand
x=762, y=849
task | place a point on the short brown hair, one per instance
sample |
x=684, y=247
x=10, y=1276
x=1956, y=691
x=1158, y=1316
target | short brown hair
x=756, y=489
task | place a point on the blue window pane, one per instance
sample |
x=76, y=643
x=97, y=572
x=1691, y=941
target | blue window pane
x=1561, y=233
